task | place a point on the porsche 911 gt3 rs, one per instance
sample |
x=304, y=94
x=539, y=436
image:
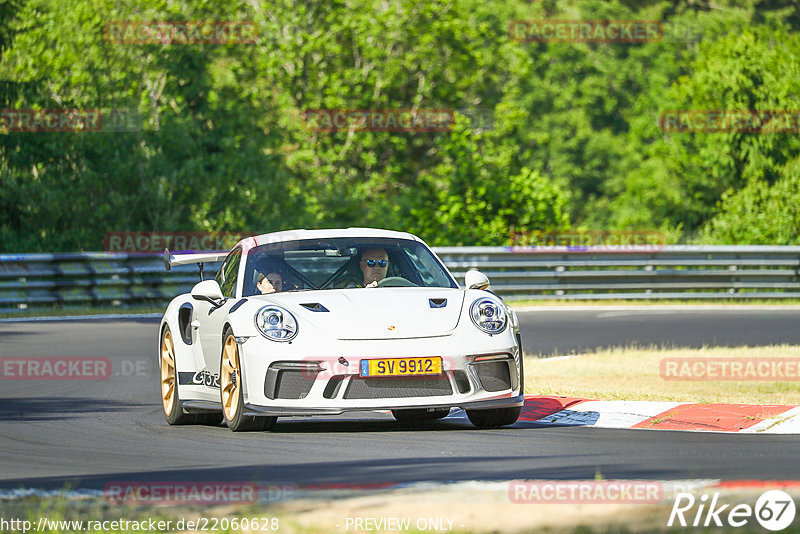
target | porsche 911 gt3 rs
x=316, y=322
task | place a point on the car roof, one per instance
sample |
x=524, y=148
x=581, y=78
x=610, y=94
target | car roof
x=294, y=235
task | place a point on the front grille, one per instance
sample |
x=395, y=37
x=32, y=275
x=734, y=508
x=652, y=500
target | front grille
x=462, y=382
x=281, y=383
x=294, y=384
x=332, y=387
x=397, y=388
x=494, y=376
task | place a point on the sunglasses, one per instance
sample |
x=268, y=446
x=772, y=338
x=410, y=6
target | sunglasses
x=381, y=263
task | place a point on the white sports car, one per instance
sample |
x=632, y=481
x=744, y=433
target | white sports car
x=319, y=322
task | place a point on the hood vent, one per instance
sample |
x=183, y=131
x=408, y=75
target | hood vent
x=315, y=307
x=437, y=303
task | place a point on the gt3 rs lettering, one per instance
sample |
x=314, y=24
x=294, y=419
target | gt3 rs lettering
x=200, y=378
x=205, y=378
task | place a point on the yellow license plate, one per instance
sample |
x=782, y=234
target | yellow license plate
x=402, y=366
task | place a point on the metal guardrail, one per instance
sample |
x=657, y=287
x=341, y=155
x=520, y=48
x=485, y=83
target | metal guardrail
x=124, y=280
x=647, y=272
x=91, y=279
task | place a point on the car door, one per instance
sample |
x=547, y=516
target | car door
x=212, y=319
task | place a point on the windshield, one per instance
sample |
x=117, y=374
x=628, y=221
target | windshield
x=342, y=263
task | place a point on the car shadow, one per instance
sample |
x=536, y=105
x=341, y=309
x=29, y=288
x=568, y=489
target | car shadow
x=310, y=426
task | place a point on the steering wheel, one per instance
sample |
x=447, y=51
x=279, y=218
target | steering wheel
x=396, y=281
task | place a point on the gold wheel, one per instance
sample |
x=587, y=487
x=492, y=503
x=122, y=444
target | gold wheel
x=230, y=378
x=167, y=373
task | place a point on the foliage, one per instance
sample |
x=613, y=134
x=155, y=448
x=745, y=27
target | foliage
x=546, y=136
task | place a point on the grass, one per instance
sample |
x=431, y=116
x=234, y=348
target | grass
x=97, y=516
x=473, y=509
x=484, y=511
x=634, y=374
x=59, y=512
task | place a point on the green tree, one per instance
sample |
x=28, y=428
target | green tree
x=687, y=174
x=472, y=199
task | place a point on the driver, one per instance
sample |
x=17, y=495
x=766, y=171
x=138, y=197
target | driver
x=374, y=264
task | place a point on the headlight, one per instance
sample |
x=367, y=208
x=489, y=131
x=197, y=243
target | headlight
x=488, y=315
x=276, y=323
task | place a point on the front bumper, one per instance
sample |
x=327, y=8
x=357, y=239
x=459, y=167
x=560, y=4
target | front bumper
x=279, y=411
x=279, y=383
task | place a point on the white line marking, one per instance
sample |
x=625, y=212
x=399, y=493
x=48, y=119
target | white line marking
x=83, y=317
x=664, y=307
x=786, y=423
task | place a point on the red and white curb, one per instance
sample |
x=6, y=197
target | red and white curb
x=570, y=411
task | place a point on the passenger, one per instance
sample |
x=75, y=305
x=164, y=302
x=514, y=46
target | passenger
x=270, y=283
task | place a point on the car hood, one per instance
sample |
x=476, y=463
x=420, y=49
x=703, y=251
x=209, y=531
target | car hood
x=376, y=313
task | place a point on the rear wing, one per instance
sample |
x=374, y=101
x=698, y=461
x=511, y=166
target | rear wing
x=198, y=258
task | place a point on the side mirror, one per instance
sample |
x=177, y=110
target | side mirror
x=209, y=291
x=476, y=280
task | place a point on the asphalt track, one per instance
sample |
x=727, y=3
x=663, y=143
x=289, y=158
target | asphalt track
x=552, y=332
x=84, y=434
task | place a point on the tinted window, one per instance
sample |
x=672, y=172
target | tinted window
x=226, y=276
x=335, y=264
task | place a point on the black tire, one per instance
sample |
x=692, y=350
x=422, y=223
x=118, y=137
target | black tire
x=494, y=417
x=419, y=414
x=230, y=391
x=173, y=407
x=521, y=365
x=171, y=404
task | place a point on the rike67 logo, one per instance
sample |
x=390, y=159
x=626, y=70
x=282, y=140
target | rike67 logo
x=774, y=510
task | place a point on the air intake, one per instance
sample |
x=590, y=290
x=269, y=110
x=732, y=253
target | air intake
x=315, y=307
x=494, y=375
x=397, y=388
x=437, y=303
